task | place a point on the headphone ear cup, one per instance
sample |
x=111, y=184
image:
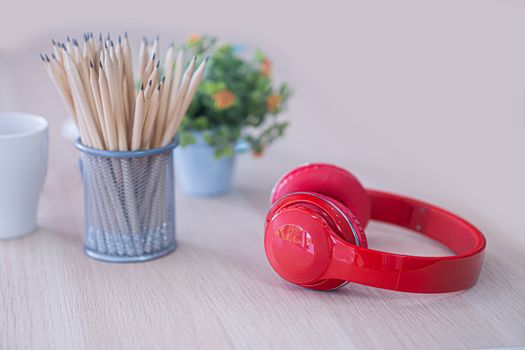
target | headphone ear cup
x=327, y=180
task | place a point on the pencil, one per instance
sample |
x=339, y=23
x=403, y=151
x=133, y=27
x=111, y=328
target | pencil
x=194, y=84
x=151, y=118
x=95, y=90
x=108, y=113
x=82, y=102
x=176, y=80
x=138, y=121
x=170, y=131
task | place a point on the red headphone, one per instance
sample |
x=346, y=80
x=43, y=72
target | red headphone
x=313, y=236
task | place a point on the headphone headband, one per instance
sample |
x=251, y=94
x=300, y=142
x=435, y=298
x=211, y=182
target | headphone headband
x=414, y=273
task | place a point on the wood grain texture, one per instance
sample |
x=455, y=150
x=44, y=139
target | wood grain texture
x=217, y=291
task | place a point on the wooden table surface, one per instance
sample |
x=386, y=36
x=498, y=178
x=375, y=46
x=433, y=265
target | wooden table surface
x=217, y=291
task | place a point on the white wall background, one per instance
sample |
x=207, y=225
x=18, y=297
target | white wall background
x=423, y=98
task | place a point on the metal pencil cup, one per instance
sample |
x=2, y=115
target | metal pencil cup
x=129, y=203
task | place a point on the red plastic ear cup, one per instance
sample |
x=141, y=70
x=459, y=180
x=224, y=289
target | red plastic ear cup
x=324, y=209
x=328, y=180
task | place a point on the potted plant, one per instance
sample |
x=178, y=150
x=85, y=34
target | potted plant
x=236, y=108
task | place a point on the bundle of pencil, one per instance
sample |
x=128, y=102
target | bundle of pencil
x=128, y=198
x=95, y=80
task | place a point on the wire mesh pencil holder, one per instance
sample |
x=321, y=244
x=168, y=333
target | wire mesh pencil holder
x=129, y=203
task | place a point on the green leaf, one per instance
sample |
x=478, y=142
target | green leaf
x=225, y=151
x=200, y=123
x=208, y=137
x=186, y=138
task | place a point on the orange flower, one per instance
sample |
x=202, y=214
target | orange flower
x=273, y=102
x=266, y=67
x=258, y=154
x=193, y=39
x=224, y=99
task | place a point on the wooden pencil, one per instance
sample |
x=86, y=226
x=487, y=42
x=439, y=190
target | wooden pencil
x=192, y=89
x=170, y=131
x=82, y=102
x=151, y=118
x=143, y=57
x=138, y=121
x=164, y=101
x=177, y=75
x=95, y=90
x=108, y=113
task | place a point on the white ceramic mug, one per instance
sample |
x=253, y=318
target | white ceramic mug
x=23, y=161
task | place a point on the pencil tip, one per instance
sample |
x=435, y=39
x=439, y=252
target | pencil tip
x=154, y=56
x=141, y=86
x=163, y=79
x=119, y=39
x=150, y=82
x=125, y=34
x=111, y=43
x=47, y=58
x=100, y=36
x=75, y=42
x=158, y=37
x=91, y=64
x=42, y=57
x=157, y=65
x=100, y=64
x=158, y=87
x=53, y=42
x=54, y=57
